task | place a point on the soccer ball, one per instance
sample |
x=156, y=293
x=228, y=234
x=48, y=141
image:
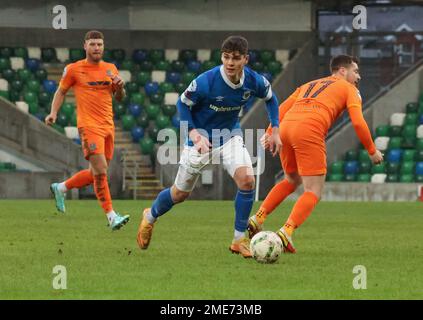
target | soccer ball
x=266, y=246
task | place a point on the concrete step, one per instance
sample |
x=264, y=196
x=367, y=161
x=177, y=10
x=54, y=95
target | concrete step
x=145, y=195
x=146, y=188
x=143, y=183
x=122, y=135
x=140, y=173
x=127, y=145
x=144, y=174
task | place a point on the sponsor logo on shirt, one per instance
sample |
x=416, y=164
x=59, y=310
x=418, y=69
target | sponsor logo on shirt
x=224, y=109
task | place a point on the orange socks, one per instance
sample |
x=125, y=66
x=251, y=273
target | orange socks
x=302, y=209
x=80, y=179
x=278, y=193
x=101, y=188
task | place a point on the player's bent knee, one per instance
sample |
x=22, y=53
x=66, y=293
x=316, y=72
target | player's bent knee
x=294, y=179
x=179, y=196
x=246, y=183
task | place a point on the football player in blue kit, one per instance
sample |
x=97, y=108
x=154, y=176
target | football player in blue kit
x=210, y=106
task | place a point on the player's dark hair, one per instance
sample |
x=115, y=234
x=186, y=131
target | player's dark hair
x=93, y=34
x=342, y=60
x=235, y=43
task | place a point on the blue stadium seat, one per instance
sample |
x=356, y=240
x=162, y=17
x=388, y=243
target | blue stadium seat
x=33, y=64
x=137, y=133
x=139, y=55
x=50, y=86
x=135, y=110
x=173, y=77
x=419, y=168
x=151, y=88
x=394, y=155
x=194, y=66
x=351, y=167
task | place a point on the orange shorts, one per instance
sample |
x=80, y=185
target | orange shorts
x=303, y=148
x=97, y=141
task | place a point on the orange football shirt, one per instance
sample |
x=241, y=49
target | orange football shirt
x=93, y=91
x=320, y=102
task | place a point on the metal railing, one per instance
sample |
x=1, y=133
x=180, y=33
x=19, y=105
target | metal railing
x=129, y=172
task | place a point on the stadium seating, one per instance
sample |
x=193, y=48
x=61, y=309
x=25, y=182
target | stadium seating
x=154, y=80
x=402, y=143
x=7, y=167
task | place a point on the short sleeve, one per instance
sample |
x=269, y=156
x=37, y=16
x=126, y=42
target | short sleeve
x=68, y=78
x=195, y=92
x=264, y=89
x=354, y=97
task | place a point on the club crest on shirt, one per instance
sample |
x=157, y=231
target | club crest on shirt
x=93, y=146
x=246, y=95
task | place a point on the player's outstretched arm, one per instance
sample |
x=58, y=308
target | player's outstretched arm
x=363, y=133
x=58, y=98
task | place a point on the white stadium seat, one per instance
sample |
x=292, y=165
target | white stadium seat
x=4, y=85
x=17, y=63
x=171, y=54
x=282, y=56
x=72, y=132
x=125, y=75
x=34, y=52
x=378, y=178
x=158, y=76
x=397, y=119
x=203, y=55
x=420, y=131
x=171, y=98
x=382, y=143
x=62, y=54
x=23, y=106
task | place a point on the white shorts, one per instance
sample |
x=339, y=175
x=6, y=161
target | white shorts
x=233, y=154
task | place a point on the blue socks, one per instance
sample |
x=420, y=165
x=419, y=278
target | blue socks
x=243, y=203
x=162, y=204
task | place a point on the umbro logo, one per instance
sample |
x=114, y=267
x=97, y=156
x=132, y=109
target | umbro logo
x=219, y=98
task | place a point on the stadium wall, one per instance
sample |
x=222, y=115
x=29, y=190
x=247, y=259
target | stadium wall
x=130, y=40
x=355, y=191
x=169, y=15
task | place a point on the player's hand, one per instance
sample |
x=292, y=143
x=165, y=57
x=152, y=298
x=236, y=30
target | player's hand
x=376, y=157
x=201, y=143
x=50, y=119
x=264, y=141
x=117, y=81
x=275, y=143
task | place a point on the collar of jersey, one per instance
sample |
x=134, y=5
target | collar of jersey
x=92, y=64
x=229, y=82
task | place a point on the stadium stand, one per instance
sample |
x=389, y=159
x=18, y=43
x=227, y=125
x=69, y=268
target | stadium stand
x=402, y=142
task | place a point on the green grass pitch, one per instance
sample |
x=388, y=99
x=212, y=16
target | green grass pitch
x=189, y=257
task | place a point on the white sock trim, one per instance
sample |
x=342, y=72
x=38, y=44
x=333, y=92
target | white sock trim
x=150, y=217
x=62, y=187
x=111, y=216
x=238, y=235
